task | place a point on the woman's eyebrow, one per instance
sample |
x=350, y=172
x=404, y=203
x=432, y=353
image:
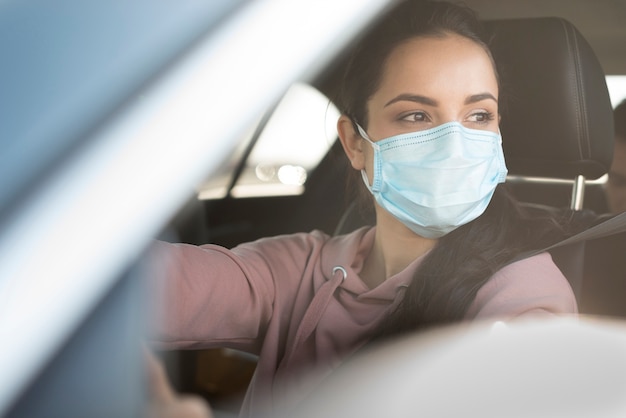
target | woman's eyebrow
x=479, y=97
x=412, y=98
x=416, y=98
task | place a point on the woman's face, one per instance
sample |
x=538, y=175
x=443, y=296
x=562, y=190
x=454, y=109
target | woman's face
x=428, y=81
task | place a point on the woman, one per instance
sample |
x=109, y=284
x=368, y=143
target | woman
x=420, y=128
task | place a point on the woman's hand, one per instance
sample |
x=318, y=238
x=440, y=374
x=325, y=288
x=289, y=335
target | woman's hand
x=163, y=401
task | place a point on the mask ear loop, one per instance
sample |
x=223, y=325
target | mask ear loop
x=372, y=188
x=366, y=137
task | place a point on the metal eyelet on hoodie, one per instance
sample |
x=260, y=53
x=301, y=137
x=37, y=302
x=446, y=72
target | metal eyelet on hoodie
x=342, y=270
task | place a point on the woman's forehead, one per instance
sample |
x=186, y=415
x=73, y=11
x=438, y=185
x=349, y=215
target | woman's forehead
x=436, y=64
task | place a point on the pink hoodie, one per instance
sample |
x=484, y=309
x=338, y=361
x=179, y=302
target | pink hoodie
x=288, y=300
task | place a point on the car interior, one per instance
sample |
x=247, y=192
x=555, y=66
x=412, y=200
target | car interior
x=557, y=126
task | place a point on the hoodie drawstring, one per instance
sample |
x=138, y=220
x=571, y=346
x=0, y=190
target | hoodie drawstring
x=317, y=307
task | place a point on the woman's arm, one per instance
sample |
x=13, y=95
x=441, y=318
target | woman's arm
x=207, y=296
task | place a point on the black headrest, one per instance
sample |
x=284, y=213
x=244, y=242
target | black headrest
x=557, y=118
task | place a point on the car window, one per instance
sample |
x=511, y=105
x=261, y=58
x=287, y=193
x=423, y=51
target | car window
x=291, y=143
x=617, y=88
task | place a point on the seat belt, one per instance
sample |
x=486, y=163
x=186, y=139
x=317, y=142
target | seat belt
x=569, y=253
x=610, y=226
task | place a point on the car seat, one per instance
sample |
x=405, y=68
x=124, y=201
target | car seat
x=558, y=134
x=557, y=119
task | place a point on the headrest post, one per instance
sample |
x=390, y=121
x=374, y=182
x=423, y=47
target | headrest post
x=578, y=193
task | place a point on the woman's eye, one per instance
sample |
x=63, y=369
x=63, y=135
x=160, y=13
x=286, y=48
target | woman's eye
x=481, y=117
x=416, y=117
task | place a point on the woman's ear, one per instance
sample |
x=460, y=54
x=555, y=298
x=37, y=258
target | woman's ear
x=351, y=141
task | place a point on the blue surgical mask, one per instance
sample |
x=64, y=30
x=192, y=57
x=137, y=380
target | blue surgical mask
x=436, y=180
